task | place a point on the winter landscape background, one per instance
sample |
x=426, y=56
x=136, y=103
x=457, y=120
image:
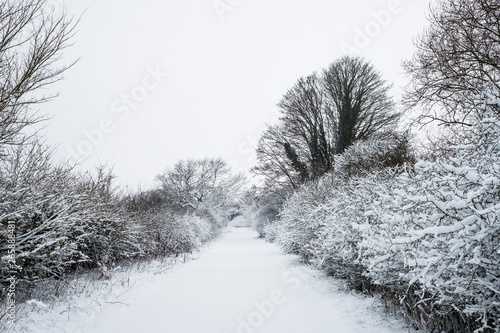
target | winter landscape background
x=357, y=188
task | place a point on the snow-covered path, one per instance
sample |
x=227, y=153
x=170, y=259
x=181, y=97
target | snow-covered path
x=240, y=284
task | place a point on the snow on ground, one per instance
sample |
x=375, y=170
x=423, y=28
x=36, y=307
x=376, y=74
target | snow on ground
x=239, y=284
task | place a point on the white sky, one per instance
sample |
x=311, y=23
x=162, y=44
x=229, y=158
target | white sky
x=227, y=70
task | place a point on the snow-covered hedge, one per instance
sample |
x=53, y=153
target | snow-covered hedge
x=58, y=220
x=365, y=157
x=187, y=233
x=428, y=234
x=446, y=232
x=166, y=232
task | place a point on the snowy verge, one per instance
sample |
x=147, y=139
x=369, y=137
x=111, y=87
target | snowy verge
x=65, y=305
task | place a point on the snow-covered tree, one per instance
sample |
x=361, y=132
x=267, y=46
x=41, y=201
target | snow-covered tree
x=456, y=61
x=196, y=183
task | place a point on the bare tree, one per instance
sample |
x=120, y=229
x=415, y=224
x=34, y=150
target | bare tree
x=309, y=128
x=32, y=39
x=274, y=165
x=301, y=148
x=457, y=61
x=360, y=101
x=322, y=116
x=193, y=182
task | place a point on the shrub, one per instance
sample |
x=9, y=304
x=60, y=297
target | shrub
x=427, y=236
x=446, y=233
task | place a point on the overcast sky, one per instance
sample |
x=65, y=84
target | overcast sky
x=163, y=80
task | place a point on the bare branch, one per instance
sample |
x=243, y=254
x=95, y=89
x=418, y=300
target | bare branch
x=32, y=40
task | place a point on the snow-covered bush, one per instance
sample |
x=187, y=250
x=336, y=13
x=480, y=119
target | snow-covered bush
x=261, y=206
x=301, y=221
x=321, y=214
x=346, y=213
x=365, y=157
x=264, y=216
x=429, y=234
x=35, y=201
x=217, y=217
x=325, y=222
x=60, y=219
x=163, y=229
x=107, y=233
x=186, y=233
x=446, y=232
x=426, y=235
